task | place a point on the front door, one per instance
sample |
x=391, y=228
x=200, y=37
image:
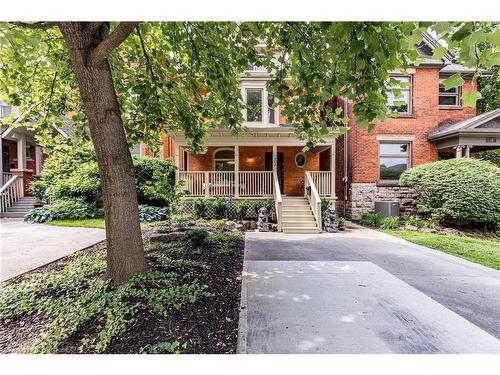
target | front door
x=5, y=158
x=280, y=169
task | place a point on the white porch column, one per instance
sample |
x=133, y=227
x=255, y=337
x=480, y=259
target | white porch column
x=458, y=151
x=332, y=168
x=38, y=160
x=236, y=171
x=467, y=151
x=177, y=161
x=275, y=159
x=21, y=152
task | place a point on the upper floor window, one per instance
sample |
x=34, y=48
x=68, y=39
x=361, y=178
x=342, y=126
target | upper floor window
x=5, y=110
x=402, y=103
x=394, y=159
x=260, y=109
x=450, y=97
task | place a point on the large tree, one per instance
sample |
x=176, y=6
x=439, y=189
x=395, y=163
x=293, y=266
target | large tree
x=124, y=81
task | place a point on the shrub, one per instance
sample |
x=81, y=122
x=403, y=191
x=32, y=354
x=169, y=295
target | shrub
x=242, y=208
x=325, y=203
x=413, y=221
x=151, y=213
x=63, y=209
x=342, y=221
x=220, y=207
x=155, y=180
x=200, y=207
x=197, y=236
x=490, y=155
x=180, y=222
x=371, y=220
x=389, y=223
x=458, y=190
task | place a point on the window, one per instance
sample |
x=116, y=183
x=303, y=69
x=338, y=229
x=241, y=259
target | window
x=5, y=110
x=394, y=159
x=135, y=149
x=449, y=98
x=271, y=113
x=300, y=159
x=254, y=105
x=402, y=103
x=224, y=159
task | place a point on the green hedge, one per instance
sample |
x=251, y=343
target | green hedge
x=71, y=171
x=458, y=191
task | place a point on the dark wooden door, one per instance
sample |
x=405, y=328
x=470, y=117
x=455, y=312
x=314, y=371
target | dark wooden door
x=280, y=169
x=5, y=158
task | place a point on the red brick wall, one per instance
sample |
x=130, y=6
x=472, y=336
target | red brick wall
x=293, y=174
x=363, y=146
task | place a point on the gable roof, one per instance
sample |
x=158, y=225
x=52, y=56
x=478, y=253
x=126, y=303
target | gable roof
x=486, y=122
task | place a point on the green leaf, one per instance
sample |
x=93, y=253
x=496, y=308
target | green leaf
x=469, y=98
x=439, y=52
x=455, y=80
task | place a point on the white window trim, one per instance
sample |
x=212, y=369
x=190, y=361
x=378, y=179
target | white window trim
x=410, y=93
x=222, y=159
x=261, y=85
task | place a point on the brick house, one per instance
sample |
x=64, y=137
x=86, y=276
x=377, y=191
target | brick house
x=353, y=171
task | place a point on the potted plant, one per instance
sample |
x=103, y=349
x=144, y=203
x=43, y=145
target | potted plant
x=342, y=223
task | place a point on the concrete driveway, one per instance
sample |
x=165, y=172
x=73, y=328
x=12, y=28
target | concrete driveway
x=29, y=246
x=363, y=291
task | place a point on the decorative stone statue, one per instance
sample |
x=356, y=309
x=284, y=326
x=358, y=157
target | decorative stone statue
x=331, y=221
x=263, y=222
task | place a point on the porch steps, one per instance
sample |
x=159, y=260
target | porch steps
x=298, y=216
x=20, y=208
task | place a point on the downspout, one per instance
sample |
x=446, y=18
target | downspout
x=345, y=179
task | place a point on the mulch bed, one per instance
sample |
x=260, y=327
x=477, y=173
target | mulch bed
x=208, y=326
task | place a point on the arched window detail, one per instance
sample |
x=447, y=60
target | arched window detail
x=223, y=159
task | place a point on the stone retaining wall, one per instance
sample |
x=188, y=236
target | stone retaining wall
x=364, y=195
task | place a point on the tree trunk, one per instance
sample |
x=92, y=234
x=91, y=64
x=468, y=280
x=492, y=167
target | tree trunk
x=125, y=250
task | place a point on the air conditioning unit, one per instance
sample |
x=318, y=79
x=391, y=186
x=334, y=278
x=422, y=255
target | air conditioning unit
x=387, y=208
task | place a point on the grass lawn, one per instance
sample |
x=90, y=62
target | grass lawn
x=476, y=250
x=85, y=223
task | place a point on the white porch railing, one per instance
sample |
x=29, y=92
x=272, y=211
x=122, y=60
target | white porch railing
x=324, y=183
x=222, y=183
x=5, y=177
x=278, y=201
x=313, y=198
x=11, y=192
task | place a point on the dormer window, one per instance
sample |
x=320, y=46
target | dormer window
x=260, y=109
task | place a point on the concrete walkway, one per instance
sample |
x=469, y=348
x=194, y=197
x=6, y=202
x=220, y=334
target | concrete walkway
x=29, y=246
x=364, y=292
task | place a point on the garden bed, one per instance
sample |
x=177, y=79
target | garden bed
x=188, y=302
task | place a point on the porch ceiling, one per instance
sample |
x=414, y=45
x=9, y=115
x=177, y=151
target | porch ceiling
x=265, y=136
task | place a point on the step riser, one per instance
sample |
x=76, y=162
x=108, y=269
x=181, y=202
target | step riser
x=12, y=215
x=301, y=231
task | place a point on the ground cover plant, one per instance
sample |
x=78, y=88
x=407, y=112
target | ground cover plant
x=69, y=307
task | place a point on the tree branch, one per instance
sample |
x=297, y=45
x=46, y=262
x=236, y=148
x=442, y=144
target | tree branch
x=36, y=25
x=113, y=40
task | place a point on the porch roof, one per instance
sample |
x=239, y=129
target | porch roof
x=282, y=135
x=482, y=130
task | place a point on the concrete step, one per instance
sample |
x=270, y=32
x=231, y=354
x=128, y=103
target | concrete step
x=297, y=215
x=301, y=209
x=17, y=209
x=299, y=224
x=301, y=230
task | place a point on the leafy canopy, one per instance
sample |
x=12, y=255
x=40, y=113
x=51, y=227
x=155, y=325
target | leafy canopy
x=186, y=74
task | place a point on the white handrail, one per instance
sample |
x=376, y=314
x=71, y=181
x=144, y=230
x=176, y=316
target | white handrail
x=11, y=192
x=278, y=201
x=314, y=199
x=323, y=182
x=6, y=176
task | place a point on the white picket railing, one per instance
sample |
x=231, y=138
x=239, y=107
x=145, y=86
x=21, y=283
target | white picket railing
x=313, y=198
x=222, y=183
x=323, y=182
x=5, y=177
x=278, y=201
x=256, y=184
x=11, y=192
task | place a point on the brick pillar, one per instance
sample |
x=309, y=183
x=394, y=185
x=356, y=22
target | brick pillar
x=26, y=175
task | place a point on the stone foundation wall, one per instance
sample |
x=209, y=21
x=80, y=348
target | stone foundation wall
x=364, y=195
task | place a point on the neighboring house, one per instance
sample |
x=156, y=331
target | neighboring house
x=354, y=171
x=22, y=158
